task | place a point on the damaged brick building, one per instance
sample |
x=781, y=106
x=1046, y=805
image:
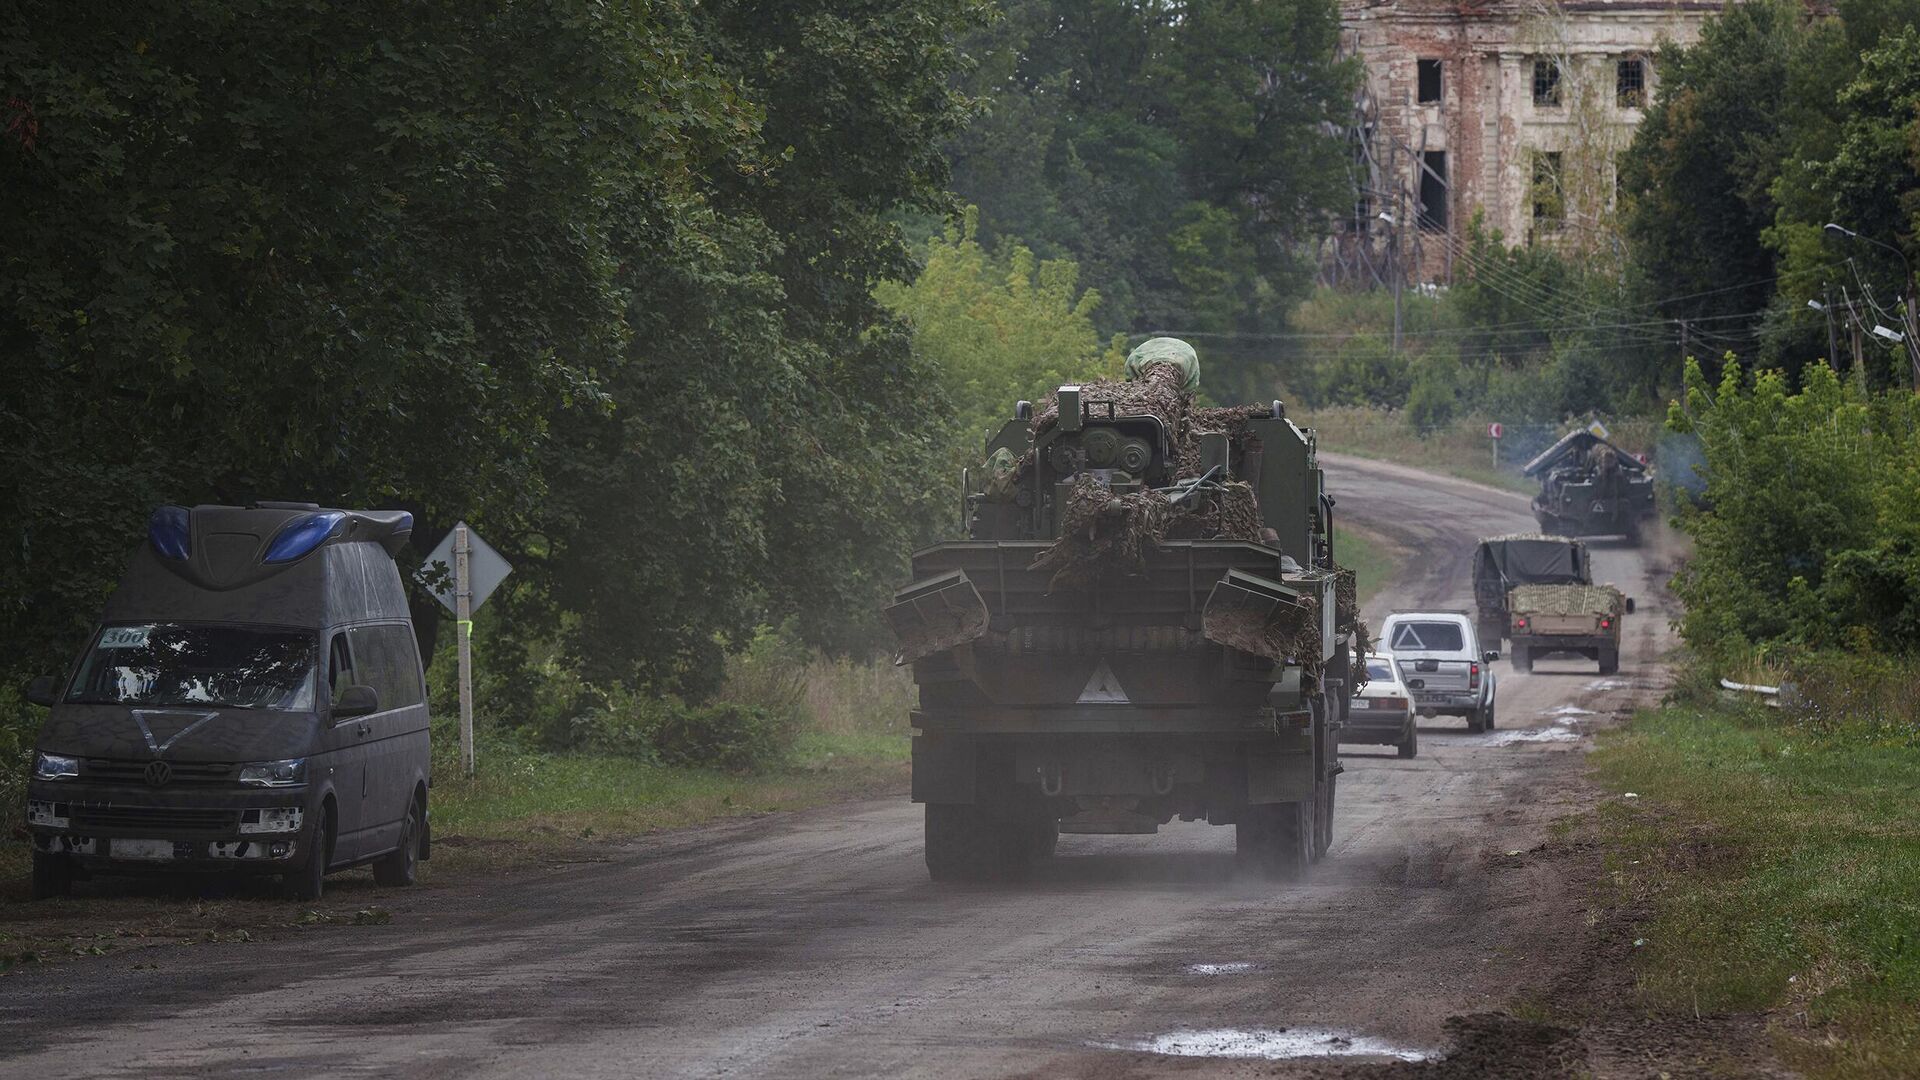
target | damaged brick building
x=1516, y=110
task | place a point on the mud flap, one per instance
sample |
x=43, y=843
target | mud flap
x=1275, y=778
x=1263, y=617
x=943, y=769
x=935, y=615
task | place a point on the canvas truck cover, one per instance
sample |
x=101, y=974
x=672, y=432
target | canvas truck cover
x=1579, y=442
x=1567, y=600
x=1166, y=350
x=1519, y=560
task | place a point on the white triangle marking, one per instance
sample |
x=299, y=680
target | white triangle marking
x=1103, y=688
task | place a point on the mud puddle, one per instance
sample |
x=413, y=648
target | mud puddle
x=1230, y=967
x=1271, y=1044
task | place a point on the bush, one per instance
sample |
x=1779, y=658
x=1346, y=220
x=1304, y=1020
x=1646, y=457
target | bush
x=668, y=731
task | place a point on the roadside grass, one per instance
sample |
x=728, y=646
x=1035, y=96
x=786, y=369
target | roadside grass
x=1780, y=870
x=1460, y=449
x=1373, y=558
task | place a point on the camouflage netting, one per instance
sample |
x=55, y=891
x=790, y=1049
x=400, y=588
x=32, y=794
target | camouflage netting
x=1104, y=536
x=1566, y=600
x=1294, y=638
x=1229, y=514
x=1346, y=594
x=1157, y=394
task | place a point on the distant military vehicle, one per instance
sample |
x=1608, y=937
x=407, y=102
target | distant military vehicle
x=1143, y=622
x=1590, y=487
x=1538, y=591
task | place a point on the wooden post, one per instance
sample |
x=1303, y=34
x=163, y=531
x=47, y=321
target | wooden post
x=463, y=614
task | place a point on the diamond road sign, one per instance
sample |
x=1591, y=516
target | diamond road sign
x=485, y=570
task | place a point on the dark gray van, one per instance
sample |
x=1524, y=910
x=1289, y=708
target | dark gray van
x=252, y=701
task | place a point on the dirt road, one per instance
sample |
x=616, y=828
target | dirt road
x=813, y=945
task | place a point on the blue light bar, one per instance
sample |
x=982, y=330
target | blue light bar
x=301, y=535
x=167, y=532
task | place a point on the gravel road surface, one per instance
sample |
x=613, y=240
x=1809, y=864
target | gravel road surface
x=812, y=944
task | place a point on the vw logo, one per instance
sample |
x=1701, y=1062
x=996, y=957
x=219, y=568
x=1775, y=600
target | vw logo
x=158, y=773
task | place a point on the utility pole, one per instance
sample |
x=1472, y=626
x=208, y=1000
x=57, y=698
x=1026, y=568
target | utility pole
x=463, y=616
x=1826, y=308
x=1393, y=267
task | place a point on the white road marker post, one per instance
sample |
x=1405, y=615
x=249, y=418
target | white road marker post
x=463, y=614
x=1494, y=431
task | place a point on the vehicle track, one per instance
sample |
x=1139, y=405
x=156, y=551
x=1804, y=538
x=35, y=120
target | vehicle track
x=813, y=944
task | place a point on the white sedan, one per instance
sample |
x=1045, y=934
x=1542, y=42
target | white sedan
x=1382, y=712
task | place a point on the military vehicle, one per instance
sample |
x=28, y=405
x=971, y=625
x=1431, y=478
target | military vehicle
x=1538, y=591
x=1590, y=487
x=1143, y=621
x=1501, y=563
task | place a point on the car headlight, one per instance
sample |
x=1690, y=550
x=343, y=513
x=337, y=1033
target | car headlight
x=55, y=767
x=274, y=773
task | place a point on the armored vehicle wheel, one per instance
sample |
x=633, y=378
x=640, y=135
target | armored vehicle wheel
x=1046, y=835
x=1609, y=661
x=52, y=875
x=1275, y=840
x=1522, y=658
x=965, y=844
x=1410, y=746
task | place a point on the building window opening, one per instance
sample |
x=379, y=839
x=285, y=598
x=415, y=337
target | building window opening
x=1630, y=83
x=1546, y=82
x=1549, y=194
x=1429, y=82
x=1433, y=191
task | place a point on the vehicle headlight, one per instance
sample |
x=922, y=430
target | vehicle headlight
x=55, y=767
x=274, y=773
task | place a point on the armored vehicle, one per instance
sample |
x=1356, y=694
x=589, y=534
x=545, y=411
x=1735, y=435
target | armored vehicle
x=1590, y=487
x=1141, y=621
x=251, y=702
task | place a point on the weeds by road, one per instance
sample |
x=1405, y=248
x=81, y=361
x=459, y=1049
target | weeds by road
x=1780, y=871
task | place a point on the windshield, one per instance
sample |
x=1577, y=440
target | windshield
x=1379, y=670
x=1428, y=637
x=165, y=664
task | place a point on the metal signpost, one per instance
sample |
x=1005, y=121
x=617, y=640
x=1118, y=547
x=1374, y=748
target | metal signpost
x=477, y=571
x=1494, y=431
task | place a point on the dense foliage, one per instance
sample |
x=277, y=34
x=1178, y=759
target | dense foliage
x=1179, y=153
x=1808, y=533
x=596, y=277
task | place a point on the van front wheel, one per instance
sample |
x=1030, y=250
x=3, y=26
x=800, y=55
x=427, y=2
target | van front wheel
x=403, y=865
x=309, y=882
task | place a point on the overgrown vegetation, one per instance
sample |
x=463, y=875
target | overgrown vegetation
x=1777, y=857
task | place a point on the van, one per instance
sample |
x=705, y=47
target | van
x=251, y=702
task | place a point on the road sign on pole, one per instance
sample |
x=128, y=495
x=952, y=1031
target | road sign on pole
x=477, y=571
x=1494, y=431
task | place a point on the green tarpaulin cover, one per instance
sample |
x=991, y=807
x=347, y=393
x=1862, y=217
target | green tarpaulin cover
x=1166, y=350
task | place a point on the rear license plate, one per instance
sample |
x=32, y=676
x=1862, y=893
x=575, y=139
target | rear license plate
x=142, y=849
x=1362, y=703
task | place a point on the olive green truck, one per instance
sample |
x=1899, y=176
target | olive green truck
x=1142, y=621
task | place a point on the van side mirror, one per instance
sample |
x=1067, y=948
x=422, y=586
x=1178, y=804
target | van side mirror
x=1490, y=655
x=356, y=701
x=41, y=691
x=1629, y=605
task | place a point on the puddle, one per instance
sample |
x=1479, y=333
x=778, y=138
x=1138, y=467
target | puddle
x=1232, y=967
x=1568, y=710
x=1607, y=684
x=1529, y=735
x=1271, y=1044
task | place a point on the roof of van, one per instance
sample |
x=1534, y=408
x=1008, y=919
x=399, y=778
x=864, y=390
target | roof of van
x=295, y=564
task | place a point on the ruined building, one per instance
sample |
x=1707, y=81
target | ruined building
x=1517, y=110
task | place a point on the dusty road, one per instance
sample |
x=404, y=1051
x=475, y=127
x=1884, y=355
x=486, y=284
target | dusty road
x=813, y=945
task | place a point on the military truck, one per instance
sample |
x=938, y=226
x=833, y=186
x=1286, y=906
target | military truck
x=1141, y=621
x=1590, y=487
x=1567, y=619
x=1538, y=591
x=1502, y=563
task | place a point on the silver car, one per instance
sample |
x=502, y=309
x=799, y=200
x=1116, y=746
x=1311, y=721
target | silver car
x=1441, y=661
